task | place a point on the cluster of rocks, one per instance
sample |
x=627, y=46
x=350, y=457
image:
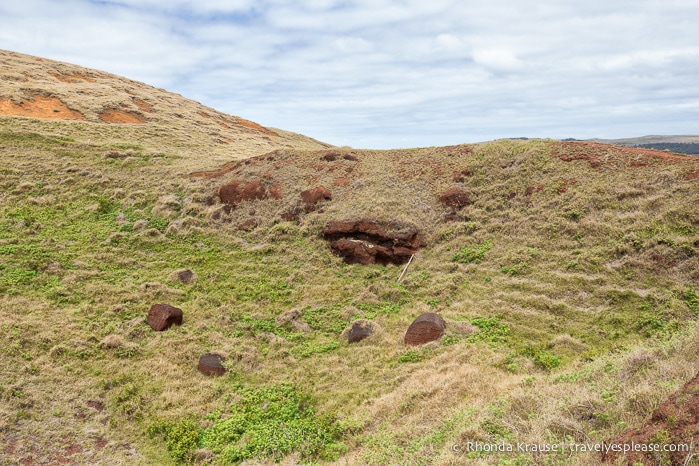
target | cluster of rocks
x=163, y=316
x=425, y=328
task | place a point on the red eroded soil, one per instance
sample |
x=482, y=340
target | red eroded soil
x=143, y=105
x=120, y=116
x=40, y=107
x=674, y=422
x=231, y=123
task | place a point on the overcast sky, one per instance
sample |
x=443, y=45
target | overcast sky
x=394, y=73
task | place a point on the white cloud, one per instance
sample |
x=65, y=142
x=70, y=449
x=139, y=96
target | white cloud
x=499, y=60
x=393, y=72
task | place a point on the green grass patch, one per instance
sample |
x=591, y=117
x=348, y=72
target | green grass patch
x=475, y=254
x=271, y=422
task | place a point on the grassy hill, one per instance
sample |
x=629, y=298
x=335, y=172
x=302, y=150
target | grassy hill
x=566, y=273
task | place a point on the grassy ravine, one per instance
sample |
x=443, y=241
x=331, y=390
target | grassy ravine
x=570, y=313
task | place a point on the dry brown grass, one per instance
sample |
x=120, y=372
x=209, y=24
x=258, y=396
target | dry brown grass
x=574, y=325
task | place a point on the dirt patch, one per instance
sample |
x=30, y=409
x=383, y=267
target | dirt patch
x=120, y=116
x=142, y=104
x=233, y=122
x=40, y=107
x=691, y=176
x=673, y=423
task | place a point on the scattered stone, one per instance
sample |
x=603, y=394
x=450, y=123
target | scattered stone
x=456, y=198
x=185, y=276
x=211, y=365
x=311, y=197
x=236, y=192
x=163, y=316
x=426, y=328
x=368, y=242
x=330, y=156
x=359, y=330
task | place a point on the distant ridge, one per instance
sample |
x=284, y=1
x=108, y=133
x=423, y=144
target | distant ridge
x=680, y=144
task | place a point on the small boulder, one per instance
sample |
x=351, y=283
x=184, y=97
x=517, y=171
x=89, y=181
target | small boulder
x=163, y=316
x=456, y=198
x=185, y=276
x=359, y=330
x=426, y=328
x=211, y=365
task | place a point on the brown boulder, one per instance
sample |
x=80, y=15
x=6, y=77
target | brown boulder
x=163, y=316
x=456, y=198
x=211, y=365
x=311, y=197
x=330, y=156
x=360, y=330
x=427, y=327
x=236, y=192
x=185, y=276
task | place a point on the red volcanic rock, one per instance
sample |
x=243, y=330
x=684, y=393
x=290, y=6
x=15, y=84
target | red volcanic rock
x=456, y=198
x=330, y=156
x=163, y=316
x=211, y=365
x=236, y=192
x=427, y=327
x=313, y=196
x=368, y=242
x=355, y=251
x=675, y=421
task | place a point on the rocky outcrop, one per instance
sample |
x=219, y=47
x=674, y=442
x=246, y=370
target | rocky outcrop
x=368, y=242
x=426, y=328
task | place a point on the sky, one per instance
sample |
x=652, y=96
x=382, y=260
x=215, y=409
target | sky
x=394, y=73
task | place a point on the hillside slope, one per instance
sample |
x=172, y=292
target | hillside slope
x=566, y=274
x=98, y=107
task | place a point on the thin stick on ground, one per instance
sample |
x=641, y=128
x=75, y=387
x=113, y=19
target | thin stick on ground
x=405, y=269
